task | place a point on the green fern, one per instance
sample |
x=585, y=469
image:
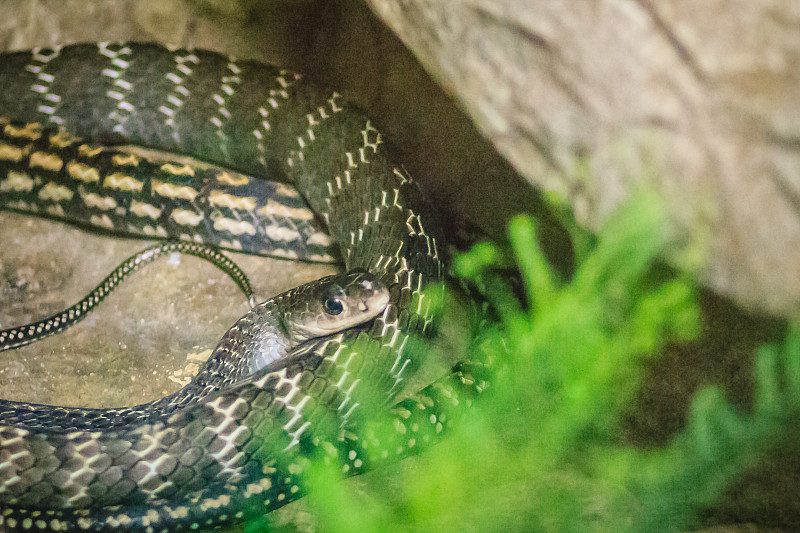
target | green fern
x=542, y=450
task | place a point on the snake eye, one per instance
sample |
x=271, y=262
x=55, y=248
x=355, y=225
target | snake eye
x=332, y=306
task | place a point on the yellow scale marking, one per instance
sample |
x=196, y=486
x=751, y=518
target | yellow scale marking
x=143, y=209
x=82, y=172
x=185, y=217
x=282, y=234
x=11, y=153
x=122, y=182
x=55, y=192
x=223, y=500
x=235, y=227
x=235, y=244
x=221, y=199
x=46, y=161
x=55, y=210
x=125, y=159
x=105, y=203
x=285, y=190
x=177, y=170
x=102, y=221
x=319, y=238
x=86, y=150
x=17, y=181
x=31, y=131
x=277, y=209
x=157, y=230
x=169, y=190
x=229, y=178
x=62, y=139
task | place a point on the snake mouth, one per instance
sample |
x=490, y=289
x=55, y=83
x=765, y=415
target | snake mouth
x=365, y=309
x=375, y=302
x=375, y=305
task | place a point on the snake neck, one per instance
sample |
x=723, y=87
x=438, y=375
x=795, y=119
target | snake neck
x=244, y=448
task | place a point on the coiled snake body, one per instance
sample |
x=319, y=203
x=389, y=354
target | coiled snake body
x=240, y=451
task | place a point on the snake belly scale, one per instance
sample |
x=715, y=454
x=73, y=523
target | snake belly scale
x=241, y=451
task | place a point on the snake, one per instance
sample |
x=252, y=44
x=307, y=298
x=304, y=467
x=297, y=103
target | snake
x=239, y=444
x=23, y=335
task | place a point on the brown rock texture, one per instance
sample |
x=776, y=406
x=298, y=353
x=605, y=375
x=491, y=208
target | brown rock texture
x=594, y=99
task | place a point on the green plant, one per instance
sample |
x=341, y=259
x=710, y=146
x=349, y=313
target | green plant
x=541, y=450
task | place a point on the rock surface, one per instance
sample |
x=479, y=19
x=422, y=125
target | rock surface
x=591, y=100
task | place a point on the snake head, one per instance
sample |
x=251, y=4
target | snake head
x=335, y=303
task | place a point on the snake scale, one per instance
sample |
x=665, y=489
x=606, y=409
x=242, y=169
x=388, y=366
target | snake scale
x=238, y=452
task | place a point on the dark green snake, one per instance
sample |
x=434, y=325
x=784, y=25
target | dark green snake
x=227, y=453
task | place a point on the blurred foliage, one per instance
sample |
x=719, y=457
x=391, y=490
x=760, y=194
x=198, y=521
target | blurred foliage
x=541, y=449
